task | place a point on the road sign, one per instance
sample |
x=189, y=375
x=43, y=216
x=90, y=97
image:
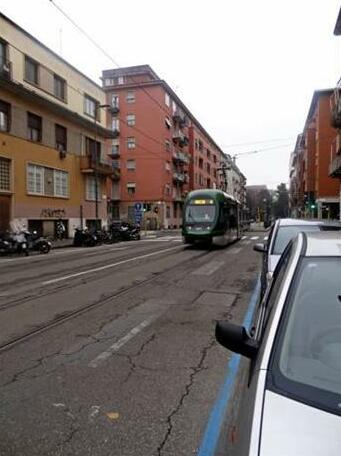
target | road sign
x=138, y=207
x=138, y=212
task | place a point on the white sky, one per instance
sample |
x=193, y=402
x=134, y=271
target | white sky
x=246, y=69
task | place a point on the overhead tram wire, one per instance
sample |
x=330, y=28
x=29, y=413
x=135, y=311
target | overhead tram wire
x=138, y=84
x=258, y=142
x=99, y=47
x=281, y=146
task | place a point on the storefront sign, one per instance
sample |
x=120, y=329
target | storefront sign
x=53, y=213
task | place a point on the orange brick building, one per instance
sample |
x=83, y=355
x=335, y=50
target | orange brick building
x=316, y=192
x=162, y=149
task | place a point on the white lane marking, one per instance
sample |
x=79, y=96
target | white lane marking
x=266, y=238
x=117, y=345
x=102, y=253
x=254, y=238
x=234, y=250
x=244, y=237
x=208, y=268
x=107, y=266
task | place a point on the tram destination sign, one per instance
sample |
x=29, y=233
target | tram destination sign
x=202, y=202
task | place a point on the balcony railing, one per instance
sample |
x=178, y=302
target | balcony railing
x=5, y=69
x=335, y=105
x=180, y=157
x=89, y=165
x=335, y=167
x=180, y=138
x=115, y=151
x=179, y=117
x=180, y=177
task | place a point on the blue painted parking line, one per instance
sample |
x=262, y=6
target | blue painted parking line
x=212, y=432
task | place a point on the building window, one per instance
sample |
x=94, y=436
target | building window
x=90, y=184
x=167, y=99
x=208, y=168
x=35, y=179
x=131, y=165
x=121, y=80
x=174, y=107
x=131, y=143
x=208, y=183
x=131, y=120
x=59, y=87
x=93, y=149
x=168, y=123
x=167, y=145
x=90, y=106
x=3, y=53
x=5, y=110
x=131, y=187
x=200, y=145
x=61, y=138
x=168, y=212
x=201, y=163
x=214, y=158
x=208, y=154
x=109, y=82
x=215, y=173
x=34, y=124
x=5, y=175
x=61, y=184
x=196, y=144
x=130, y=97
x=115, y=101
x=115, y=124
x=168, y=189
x=201, y=180
x=31, y=70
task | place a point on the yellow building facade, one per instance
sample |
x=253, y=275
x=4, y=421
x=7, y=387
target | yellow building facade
x=54, y=144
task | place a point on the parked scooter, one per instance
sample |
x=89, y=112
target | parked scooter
x=13, y=243
x=84, y=238
x=37, y=243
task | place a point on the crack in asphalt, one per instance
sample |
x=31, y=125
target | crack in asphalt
x=195, y=370
x=136, y=355
x=38, y=363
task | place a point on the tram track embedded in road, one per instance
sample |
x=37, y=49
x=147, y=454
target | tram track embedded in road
x=69, y=315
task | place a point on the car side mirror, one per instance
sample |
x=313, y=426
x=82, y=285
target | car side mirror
x=260, y=248
x=236, y=338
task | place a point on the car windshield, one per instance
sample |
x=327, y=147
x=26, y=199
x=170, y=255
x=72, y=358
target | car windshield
x=200, y=213
x=286, y=233
x=308, y=355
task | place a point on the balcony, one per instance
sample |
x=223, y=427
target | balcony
x=180, y=178
x=116, y=133
x=89, y=165
x=335, y=105
x=5, y=69
x=114, y=110
x=335, y=167
x=180, y=138
x=179, y=117
x=180, y=157
x=115, y=152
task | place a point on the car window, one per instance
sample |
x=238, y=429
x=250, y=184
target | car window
x=271, y=295
x=307, y=358
x=286, y=233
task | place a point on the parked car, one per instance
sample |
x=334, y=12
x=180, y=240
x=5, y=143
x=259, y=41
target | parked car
x=281, y=232
x=291, y=397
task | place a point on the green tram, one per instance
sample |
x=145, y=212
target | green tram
x=212, y=217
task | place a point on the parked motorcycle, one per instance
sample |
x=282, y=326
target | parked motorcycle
x=124, y=231
x=84, y=238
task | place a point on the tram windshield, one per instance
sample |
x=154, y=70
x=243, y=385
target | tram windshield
x=200, y=212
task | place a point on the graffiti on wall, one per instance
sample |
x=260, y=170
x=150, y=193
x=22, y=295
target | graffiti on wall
x=53, y=213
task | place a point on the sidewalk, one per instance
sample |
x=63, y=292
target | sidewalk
x=58, y=244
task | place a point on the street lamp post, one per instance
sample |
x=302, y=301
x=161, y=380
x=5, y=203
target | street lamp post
x=97, y=108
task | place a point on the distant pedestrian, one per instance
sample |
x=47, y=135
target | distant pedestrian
x=60, y=229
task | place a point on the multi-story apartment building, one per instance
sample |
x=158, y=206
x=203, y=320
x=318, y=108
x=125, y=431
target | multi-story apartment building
x=53, y=158
x=163, y=150
x=317, y=192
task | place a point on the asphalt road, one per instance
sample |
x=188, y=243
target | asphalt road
x=111, y=350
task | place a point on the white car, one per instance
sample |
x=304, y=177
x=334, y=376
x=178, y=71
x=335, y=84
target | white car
x=291, y=402
x=280, y=234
